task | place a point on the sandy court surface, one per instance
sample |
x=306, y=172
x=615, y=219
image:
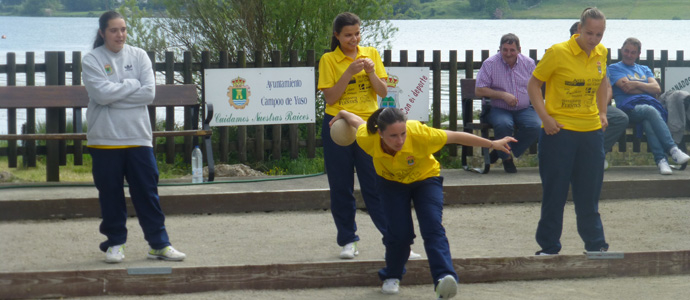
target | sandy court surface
x=281, y=237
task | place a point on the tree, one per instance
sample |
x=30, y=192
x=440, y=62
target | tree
x=40, y=7
x=83, y=5
x=249, y=25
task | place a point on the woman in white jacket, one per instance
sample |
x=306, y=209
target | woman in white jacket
x=120, y=83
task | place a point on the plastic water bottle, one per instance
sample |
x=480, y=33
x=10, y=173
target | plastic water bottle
x=197, y=166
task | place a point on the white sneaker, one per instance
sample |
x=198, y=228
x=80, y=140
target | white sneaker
x=390, y=286
x=664, y=168
x=414, y=255
x=349, y=251
x=678, y=156
x=446, y=288
x=606, y=165
x=167, y=253
x=115, y=254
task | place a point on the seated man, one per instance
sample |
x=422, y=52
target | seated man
x=634, y=87
x=618, y=120
x=503, y=78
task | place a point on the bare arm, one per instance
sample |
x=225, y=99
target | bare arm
x=638, y=87
x=603, y=101
x=467, y=139
x=494, y=94
x=537, y=100
x=352, y=119
x=377, y=83
x=334, y=93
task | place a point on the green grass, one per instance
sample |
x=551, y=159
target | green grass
x=565, y=9
x=613, y=9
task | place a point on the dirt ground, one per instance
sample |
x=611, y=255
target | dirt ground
x=280, y=237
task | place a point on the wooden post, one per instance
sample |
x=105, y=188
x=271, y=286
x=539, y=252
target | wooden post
x=453, y=98
x=311, y=127
x=170, y=110
x=662, y=65
x=11, y=112
x=242, y=130
x=294, y=128
x=259, y=129
x=30, y=146
x=52, y=120
x=62, y=112
x=436, y=102
x=77, y=150
x=205, y=64
x=152, y=110
x=223, y=131
x=277, y=128
x=469, y=65
x=467, y=109
x=187, y=75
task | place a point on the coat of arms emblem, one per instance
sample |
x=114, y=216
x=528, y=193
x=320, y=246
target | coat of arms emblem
x=239, y=93
x=391, y=99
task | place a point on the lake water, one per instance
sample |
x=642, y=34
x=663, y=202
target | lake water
x=77, y=34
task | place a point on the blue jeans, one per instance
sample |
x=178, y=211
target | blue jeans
x=340, y=164
x=571, y=158
x=618, y=122
x=138, y=165
x=525, y=121
x=658, y=136
x=427, y=196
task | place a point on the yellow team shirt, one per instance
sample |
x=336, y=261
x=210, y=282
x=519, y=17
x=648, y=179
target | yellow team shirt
x=414, y=162
x=572, y=81
x=359, y=97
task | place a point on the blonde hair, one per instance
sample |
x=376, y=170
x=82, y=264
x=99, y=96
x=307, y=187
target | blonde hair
x=591, y=13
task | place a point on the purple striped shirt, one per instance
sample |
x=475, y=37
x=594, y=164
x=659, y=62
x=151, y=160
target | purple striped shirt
x=498, y=75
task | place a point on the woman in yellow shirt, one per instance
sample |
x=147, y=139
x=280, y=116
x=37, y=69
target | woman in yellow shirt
x=350, y=77
x=571, y=149
x=402, y=152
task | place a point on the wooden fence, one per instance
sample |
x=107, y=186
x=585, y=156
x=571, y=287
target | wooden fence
x=249, y=143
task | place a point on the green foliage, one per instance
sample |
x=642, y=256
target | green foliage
x=146, y=36
x=287, y=166
x=477, y=5
x=83, y=5
x=40, y=7
x=251, y=25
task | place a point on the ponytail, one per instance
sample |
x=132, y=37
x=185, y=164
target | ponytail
x=383, y=117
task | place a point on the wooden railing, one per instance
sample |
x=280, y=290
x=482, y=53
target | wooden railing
x=254, y=143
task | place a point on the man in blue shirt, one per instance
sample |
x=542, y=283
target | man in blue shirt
x=635, y=89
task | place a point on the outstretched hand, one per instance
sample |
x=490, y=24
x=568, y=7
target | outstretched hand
x=502, y=144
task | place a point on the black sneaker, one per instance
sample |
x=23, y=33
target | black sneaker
x=509, y=166
x=493, y=156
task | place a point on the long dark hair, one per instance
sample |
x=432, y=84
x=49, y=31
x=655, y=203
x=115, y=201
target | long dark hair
x=103, y=25
x=383, y=117
x=342, y=20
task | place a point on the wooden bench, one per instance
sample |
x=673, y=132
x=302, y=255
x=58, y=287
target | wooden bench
x=470, y=125
x=56, y=98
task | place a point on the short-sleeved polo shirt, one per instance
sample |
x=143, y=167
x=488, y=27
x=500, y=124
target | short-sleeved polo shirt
x=414, y=162
x=359, y=96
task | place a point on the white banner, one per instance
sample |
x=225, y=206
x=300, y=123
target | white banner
x=677, y=78
x=261, y=96
x=408, y=89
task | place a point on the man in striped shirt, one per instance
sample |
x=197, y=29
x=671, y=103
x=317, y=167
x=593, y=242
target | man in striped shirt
x=503, y=78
